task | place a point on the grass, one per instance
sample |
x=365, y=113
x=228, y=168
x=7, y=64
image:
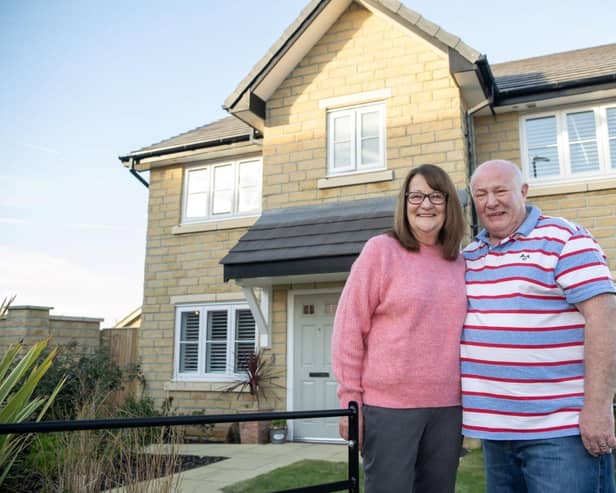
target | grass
x=311, y=472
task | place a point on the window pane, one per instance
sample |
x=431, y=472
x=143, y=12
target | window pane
x=197, y=193
x=370, y=124
x=370, y=151
x=223, y=189
x=216, y=345
x=216, y=357
x=611, y=131
x=250, y=177
x=342, y=155
x=342, y=128
x=582, y=141
x=189, y=342
x=244, y=338
x=217, y=325
x=542, y=147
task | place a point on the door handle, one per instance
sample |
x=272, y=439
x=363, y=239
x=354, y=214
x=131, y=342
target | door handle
x=318, y=374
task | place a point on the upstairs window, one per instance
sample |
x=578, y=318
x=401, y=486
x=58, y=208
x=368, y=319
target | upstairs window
x=221, y=191
x=213, y=341
x=356, y=139
x=569, y=145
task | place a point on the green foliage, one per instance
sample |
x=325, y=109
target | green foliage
x=18, y=381
x=88, y=375
x=279, y=424
x=258, y=375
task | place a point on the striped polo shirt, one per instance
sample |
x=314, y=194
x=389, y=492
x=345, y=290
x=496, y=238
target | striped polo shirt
x=522, y=350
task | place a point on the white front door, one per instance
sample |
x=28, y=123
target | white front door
x=313, y=382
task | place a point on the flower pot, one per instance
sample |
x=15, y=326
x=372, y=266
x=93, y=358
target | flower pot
x=254, y=431
x=278, y=435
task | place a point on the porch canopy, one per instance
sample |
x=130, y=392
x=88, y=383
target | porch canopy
x=314, y=242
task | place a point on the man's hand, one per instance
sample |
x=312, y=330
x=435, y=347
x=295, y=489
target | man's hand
x=596, y=417
x=597, y=429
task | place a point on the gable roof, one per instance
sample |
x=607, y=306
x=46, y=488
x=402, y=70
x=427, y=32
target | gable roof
x=248, y=99
x=224, y=131
x=583, y=69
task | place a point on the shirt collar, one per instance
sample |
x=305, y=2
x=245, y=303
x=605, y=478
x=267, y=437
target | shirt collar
x=532, y=216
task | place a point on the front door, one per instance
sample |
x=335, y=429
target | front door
x=313, y=383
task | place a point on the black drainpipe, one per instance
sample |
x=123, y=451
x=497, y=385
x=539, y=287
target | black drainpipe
x=252, y=137
x=470, y=146
x=136, y=174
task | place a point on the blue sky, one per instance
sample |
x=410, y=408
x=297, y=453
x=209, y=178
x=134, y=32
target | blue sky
x=83, y=81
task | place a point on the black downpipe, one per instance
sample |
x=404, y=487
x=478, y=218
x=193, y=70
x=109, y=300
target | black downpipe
x=136, y=174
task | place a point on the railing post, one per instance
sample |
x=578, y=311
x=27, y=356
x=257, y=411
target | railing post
x=354, y=448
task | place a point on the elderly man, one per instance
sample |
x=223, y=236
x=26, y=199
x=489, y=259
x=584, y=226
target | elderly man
x=538, y=354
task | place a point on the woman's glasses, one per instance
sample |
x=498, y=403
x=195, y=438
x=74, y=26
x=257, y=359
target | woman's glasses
x=416, y=198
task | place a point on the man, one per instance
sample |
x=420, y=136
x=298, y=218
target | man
x=538, y=346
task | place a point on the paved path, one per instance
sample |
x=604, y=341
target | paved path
x=248, y=461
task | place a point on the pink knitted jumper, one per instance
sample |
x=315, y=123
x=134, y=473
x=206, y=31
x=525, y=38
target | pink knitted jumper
x=396, y=340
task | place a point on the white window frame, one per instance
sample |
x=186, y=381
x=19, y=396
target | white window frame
x=209, y=215
x=201, y=375
x=562, y=141
x=355, y=113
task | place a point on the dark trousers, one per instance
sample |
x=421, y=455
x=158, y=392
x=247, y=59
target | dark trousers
x=411, y=450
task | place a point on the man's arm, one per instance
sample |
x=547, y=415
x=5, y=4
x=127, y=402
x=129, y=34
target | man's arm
x=596, y=417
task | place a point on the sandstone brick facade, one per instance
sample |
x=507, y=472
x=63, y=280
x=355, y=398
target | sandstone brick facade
x=425, y=123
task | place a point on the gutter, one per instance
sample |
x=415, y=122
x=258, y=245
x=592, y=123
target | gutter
x=136, y=158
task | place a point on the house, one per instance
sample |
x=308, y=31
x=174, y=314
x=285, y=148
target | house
x=254, y=220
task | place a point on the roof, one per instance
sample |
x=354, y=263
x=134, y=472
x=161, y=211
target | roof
x=558, y=70
x=217, y=132
x=311, y=239
x=306, y=30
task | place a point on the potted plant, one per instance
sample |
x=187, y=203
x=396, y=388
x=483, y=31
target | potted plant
x=257, y=377
x=278, y=431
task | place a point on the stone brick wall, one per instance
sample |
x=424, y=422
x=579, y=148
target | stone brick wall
x=360, y=53
x=498, y=137
x=34, y=323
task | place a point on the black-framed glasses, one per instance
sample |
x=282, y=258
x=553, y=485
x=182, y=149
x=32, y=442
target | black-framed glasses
x=416, y=198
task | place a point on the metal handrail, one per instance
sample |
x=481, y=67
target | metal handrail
x=351, y=484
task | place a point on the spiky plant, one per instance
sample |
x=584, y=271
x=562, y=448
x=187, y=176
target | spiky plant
x=18, y=379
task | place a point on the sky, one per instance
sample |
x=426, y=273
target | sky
x=85, y=81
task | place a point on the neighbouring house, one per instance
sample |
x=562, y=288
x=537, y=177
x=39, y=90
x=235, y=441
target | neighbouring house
x=254, y=220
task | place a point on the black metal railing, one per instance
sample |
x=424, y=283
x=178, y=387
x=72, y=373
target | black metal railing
x=351, y=484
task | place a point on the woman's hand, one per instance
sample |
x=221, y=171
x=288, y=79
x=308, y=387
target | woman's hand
x=343, y=428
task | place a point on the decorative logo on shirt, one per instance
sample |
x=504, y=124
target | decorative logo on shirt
x=524, y=256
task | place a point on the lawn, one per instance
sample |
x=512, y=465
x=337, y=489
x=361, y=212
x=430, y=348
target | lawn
x=311, y=472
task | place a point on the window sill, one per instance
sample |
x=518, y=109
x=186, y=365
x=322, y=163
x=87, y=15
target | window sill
x=240, y=222
x=601, y=183
x=355, y=179
x=189, y=386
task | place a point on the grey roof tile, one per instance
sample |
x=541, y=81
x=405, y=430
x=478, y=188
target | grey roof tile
x=315, y=231
x=558, y=68
x=224, y=128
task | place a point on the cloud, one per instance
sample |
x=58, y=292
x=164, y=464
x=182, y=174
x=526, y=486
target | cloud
x=71, y=289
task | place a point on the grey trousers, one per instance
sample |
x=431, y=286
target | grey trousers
x=411, y=450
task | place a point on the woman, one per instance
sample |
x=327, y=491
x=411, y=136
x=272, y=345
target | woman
x=395, y=347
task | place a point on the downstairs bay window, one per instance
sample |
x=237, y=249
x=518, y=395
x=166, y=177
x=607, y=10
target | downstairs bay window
x=569, y=145
x=213, y=341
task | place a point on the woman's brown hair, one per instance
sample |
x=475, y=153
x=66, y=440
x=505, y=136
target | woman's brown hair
x=452, y=232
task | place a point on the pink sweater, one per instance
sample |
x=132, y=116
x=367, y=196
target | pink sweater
x=396, y=340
